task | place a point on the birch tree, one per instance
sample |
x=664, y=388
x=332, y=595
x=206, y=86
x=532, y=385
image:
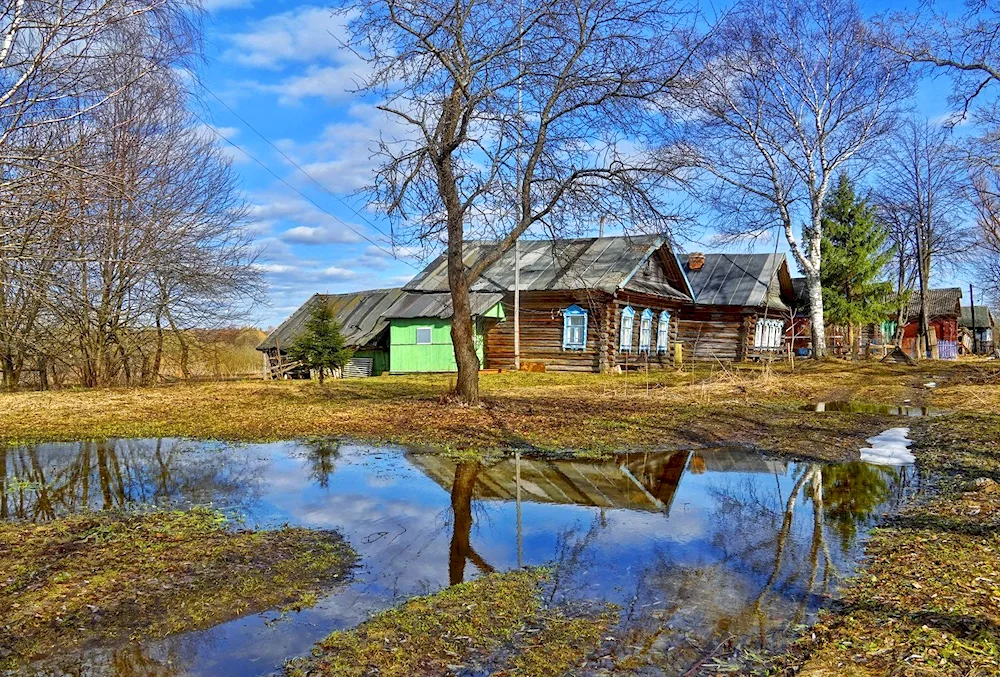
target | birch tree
x=923, y=192
x=517, y=118
x=788, y=94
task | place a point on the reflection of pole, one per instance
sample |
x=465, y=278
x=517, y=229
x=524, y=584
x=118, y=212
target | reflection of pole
x=517, y=484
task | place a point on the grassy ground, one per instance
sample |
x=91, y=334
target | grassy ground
x=496, y=624
x=113, y=576
x=586, y=412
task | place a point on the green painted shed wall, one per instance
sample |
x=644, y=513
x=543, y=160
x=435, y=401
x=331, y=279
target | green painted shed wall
x=406, y=357
x=380, y=360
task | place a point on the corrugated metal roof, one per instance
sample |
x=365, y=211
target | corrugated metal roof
x=361, y=316
x=984, y=318
x=438, y=305
x=940, y=302
x=605, y=264
x=737, y=280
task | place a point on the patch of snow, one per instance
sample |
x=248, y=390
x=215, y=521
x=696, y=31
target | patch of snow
x=889, y=448
x=932, y=384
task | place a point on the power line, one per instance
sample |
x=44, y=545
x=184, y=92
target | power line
x=300, y=193
x=290, y=160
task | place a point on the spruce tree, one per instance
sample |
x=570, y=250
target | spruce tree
x=321, y=346
x=854, y=255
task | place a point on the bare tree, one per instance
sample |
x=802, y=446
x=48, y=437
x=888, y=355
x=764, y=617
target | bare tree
x=923, y=194
x=517, y=118
x=787, y=95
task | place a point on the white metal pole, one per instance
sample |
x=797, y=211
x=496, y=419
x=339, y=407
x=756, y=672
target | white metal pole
x=520, y=199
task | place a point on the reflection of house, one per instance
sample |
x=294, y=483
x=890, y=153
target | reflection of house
x=977, y=325
x=741, y=306
x=735, y=460
x=634, y=482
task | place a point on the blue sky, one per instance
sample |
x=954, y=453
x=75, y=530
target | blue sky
x=283, y=91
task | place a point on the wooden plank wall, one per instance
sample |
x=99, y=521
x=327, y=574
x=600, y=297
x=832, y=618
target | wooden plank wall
x=713, y=334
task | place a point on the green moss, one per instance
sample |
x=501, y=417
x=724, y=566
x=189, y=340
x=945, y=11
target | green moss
x=114, y=575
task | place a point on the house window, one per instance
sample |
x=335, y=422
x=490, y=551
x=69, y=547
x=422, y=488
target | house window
x=424, y=336
x=769, y=334
x=645, y=330
x=663, y=333
x=625, y=335
x=574, y=328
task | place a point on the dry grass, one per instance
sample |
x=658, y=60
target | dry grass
x=588, y=412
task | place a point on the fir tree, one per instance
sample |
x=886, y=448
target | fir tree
x=854, y=255
x=321, y=345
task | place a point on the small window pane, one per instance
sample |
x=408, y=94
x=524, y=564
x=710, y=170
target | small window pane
x=625, y=337
x=663, y=333
x=423, y=336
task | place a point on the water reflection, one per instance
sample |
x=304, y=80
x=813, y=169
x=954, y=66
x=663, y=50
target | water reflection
x=699, y=549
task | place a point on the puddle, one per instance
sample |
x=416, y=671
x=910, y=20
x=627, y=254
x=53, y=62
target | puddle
x=863, y=408
x=695, y=547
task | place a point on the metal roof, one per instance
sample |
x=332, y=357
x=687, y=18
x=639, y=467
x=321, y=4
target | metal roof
x=940, y=302
x=438, y=305
x=984, y=318
x=741, y=280
x=361, y=316
x=599, y=263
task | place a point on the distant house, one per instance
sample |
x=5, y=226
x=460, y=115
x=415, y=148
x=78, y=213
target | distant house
x=944, y=307
x=742, y=306
x=588, y=304
x=979, y=330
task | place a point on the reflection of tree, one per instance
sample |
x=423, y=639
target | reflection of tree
x=40, y=482
x=853, y=491
x=461, y=550
x=771, y=562
x=322, y=455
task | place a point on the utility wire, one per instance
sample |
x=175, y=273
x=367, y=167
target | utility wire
x=300, y=193
x=290, y=160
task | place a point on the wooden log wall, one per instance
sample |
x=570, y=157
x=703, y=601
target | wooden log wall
x=633, y=358
x=542, y=332
x=714, y=334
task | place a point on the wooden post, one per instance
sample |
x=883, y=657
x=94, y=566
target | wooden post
x=678, y=355
x=972, y=305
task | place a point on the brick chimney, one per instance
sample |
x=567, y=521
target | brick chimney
x=696, y=261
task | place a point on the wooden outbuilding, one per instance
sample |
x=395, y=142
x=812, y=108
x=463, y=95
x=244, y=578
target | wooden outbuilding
x=742, y=307
x=944, y=307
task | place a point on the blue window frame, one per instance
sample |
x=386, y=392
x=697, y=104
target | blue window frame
x=574, y=328
x=627, y=326
x=645, y=330
x=663, y=333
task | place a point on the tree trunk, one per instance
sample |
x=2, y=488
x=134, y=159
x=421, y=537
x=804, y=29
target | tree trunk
x=158, y=354
x=463, y=339
x=852, y=338
x=816, y=321
x=43, y=374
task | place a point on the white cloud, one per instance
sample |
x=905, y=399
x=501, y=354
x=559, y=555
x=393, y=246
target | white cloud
x=303, y=35
x=309, y=224
x=331, y=83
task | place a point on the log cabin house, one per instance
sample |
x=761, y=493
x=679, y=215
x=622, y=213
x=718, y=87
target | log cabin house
x=587, y=304
x=742, y=307
x=944, y=307
x=976, y=328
